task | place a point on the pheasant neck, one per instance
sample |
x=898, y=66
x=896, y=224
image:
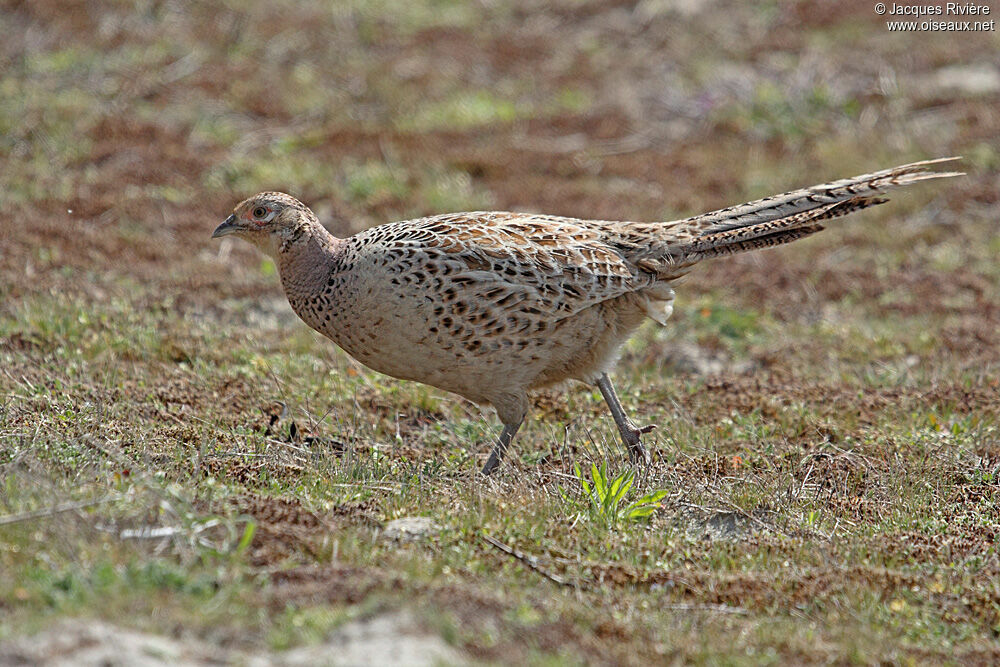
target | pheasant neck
x=305, y=265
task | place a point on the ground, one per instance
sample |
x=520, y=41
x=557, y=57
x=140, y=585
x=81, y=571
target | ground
x=181, y=459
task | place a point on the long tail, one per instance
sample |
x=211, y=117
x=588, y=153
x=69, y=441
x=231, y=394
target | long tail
x=784, y=218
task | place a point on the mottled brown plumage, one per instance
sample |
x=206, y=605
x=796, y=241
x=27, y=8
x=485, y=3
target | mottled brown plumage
x=490, y=305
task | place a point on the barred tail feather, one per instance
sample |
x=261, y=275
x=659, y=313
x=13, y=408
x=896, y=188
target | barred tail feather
x=787, y=217
x=789, y=203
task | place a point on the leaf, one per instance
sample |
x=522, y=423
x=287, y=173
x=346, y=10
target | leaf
x=612, y=496
x=627, y=479
x=600, y=487
x=640, y=511
x=579, y=476
x=651, y=498
x=615, y=485
x=247, y=537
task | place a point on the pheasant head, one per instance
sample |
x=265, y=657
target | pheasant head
x=272, y=221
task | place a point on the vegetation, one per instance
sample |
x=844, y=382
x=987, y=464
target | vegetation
x=608, y=500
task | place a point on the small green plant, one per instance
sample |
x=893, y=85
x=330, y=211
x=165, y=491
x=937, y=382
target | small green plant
x=607, y=498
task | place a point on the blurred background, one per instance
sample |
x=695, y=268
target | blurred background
x=130, y=128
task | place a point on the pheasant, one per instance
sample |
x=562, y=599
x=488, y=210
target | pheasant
x=490, y=305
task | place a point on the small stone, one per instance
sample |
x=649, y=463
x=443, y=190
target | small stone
x=684, y=357
x=410, y=528
x=971, y=79
x=726, y=526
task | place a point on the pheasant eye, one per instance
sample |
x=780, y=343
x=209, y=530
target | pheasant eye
x=259, y=212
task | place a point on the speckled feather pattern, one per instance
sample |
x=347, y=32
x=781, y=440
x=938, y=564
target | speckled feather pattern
x=487, y=305
x=490, y=305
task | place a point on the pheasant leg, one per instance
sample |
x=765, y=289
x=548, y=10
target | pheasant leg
x=501, y=447
x=631, y=434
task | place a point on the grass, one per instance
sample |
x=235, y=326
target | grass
x=608, y=499
x=179, y=454
x=79, y=426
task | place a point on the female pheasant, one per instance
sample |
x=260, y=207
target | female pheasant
x=490, y=305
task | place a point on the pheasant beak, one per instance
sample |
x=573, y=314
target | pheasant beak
x=227, y=227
